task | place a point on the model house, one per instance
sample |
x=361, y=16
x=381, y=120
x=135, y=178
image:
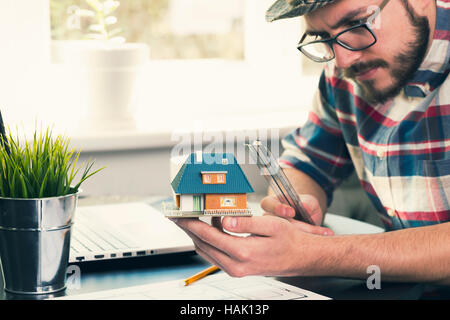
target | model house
x=211, y=183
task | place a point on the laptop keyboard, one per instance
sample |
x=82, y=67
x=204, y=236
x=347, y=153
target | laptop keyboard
x=90, y=236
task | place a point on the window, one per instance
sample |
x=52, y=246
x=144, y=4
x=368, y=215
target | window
x=197, y=203
x=213, y=177
x=228, y=201
x=174, y=29
x=24, y=29
x=212, y=64
x=206, y=178
x=220, y=178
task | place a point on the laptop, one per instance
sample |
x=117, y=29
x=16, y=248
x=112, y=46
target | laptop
x=124, y=230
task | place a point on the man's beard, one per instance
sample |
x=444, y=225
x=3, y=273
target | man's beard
x=405, y=64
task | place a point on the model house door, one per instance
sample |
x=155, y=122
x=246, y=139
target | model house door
x=198, y=203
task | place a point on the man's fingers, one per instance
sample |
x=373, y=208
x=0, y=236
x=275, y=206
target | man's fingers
x=272, y=205
x=209, y=253
x=262, y=226
x=211, y=235
x=230, y=263
x=268, y=226
x=306, y=227
x=216, y=222
x=311, y=204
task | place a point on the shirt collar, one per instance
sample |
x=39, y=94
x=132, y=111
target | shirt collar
x=435, y=67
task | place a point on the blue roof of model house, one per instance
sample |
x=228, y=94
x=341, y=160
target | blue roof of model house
x=189, y=178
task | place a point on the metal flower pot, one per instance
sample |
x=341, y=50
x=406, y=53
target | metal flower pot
x=35, y=243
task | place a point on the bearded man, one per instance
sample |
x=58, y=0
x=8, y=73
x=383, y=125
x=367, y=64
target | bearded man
x=382, y=109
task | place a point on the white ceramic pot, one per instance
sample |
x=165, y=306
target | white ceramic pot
x=108, y=73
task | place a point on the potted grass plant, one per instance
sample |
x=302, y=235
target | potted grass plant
x=39, y=186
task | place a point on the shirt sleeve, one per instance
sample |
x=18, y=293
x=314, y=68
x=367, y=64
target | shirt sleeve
x=318, y=148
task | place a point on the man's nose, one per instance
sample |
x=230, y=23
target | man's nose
x=344, y=57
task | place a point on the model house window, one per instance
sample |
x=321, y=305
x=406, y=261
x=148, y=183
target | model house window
x=206, y=178
x=220, y=178
x=214, y=177
x=197, y=202
x=228, y=201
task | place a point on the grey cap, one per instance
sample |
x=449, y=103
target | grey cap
x=282, y=9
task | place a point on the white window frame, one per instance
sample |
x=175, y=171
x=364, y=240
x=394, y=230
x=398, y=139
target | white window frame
x=269, y=80
x=25, y=58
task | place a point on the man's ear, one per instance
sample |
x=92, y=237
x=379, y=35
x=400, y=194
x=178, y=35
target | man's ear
x=421, y=7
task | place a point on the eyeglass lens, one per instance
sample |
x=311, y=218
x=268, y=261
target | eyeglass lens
x=354, y=39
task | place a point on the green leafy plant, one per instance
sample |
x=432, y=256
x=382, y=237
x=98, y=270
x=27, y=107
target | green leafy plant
x=85, y=19
x=104, y=20
x=42, y=168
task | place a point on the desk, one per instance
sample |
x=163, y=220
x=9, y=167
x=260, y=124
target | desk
x=105, y=275
x=112, y=274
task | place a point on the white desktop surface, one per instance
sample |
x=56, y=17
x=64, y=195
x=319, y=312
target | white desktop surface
x=343, y=225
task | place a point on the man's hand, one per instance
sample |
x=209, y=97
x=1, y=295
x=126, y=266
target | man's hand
x=272, y=206
x=276, y=246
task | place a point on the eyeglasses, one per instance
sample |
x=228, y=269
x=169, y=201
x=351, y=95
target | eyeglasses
x=355, y=38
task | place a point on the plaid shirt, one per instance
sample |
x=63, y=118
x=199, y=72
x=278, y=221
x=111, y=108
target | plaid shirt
x=400, y=150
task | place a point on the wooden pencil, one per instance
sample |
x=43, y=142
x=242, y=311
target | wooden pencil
x=201, y=275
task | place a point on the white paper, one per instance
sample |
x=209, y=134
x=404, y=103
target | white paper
x=214, y=287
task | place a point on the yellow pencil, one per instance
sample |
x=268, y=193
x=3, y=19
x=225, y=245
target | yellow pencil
x=200, y=275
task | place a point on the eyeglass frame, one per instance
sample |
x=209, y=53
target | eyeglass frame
x=330, y=41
